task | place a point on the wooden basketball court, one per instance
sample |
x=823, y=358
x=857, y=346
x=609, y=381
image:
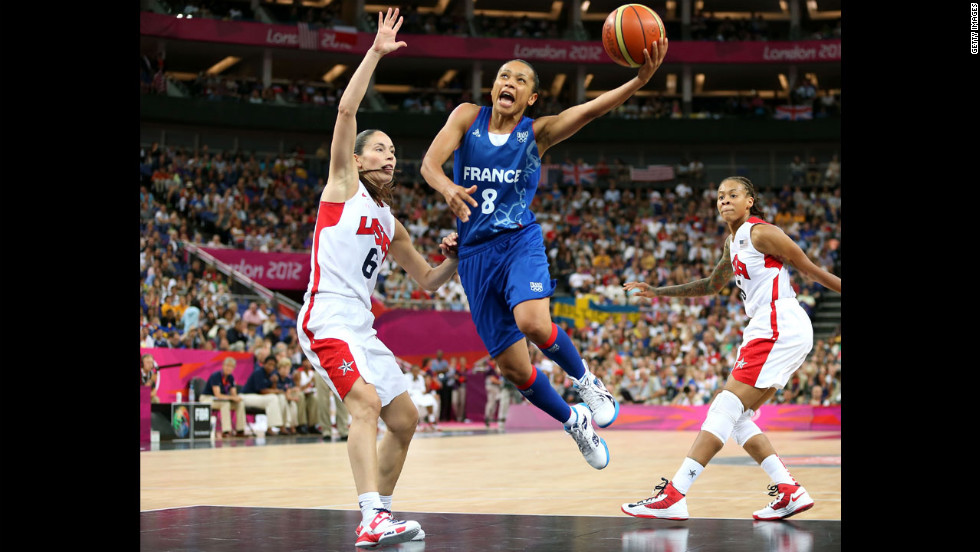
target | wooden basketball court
x=482, y=490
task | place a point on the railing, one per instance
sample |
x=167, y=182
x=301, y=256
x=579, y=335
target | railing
x=283, y=305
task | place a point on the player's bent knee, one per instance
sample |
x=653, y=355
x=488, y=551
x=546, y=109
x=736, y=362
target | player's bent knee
x=403, y=416
x=537, y=331
x=363, y=407
x=722, y=415
x=745, y=428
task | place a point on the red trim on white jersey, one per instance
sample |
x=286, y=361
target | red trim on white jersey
x=762, y=278
x=328, y=215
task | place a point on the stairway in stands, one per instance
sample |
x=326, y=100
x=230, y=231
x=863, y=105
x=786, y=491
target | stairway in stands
x=826, y=315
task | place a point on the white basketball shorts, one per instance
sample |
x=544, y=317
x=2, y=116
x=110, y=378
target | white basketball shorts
x=338, y=337
x=774, y=345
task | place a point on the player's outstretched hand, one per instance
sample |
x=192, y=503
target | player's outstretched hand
x=388, y=25
x=642, y=289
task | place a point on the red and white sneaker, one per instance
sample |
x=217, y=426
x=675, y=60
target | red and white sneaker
x=666, y=503
x=384, y=530
x=790, y=500
x=418, y=536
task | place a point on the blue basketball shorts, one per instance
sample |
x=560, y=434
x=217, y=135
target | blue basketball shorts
x=499, y=275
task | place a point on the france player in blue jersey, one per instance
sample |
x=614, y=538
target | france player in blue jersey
x=503, y=265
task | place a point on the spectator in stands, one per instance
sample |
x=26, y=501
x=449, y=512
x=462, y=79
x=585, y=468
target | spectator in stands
x=652, y=390
x=253, y=316
x=797, y=171
x=238, y=336
x=687, y=397
x=221, y=393
x=270, y=323
x=305, y=378
x=149, y=376
x=261, y=391
x=172, y=310
x=581, y=280
x=696, y=172
x=295, y=406
x=813, y=172
x=190, y=320
x=460, y=368
x=804, y=93
x=444, y=372
x=817, y=396
x=495, y=409
x=831, y=177
x=425, y=400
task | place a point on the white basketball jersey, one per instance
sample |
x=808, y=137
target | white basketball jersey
x=350, y=243
x=762, y=278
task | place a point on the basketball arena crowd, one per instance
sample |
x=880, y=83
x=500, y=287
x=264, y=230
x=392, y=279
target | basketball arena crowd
x=599, y=235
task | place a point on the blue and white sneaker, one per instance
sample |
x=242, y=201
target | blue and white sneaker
x=589, y=443
x=604, y=407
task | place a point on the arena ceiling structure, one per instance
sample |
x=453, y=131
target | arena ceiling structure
x=185, y=59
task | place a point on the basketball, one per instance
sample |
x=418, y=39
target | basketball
x=628, y=30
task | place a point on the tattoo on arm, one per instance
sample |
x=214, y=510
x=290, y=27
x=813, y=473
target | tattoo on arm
x=705, y=286
x=723, y=270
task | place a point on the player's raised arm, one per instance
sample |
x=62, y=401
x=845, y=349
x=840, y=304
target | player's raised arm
x=551, y=130
x=342, y=178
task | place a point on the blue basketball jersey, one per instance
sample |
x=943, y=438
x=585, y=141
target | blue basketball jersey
x=506, y=177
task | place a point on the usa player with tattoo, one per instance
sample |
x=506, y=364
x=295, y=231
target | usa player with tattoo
x=355, y=232
x=775, y=343
x=503, y=265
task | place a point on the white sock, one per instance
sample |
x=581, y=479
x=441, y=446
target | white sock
x=685, y=476
x=777, y=471
x=368, y=502
x=386, y=500
x=572, y=417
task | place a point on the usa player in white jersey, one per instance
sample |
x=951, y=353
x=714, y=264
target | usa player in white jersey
x=775, y=343
x=355, y=232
